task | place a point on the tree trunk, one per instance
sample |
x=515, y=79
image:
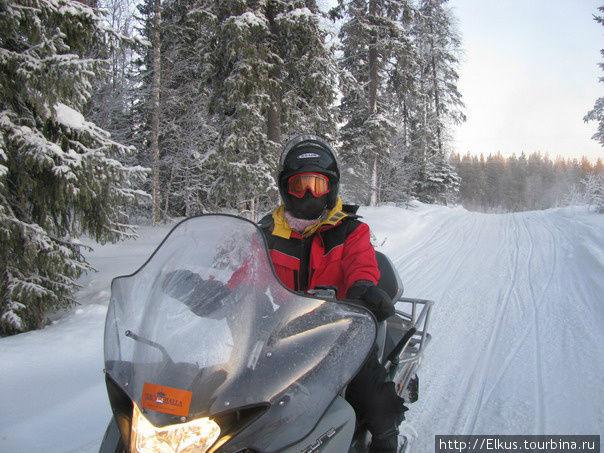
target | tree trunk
x=373, y=62
x=253, y=213
x=169, y=191
x=273, y=116
x=374, y=183
x=405, y=125
x=425, y=126
x=188, y=192
x=273, y=121
x=436, y=92
x=372, y=94
x=155, y=112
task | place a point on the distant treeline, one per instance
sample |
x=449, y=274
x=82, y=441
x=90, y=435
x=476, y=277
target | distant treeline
x=497, y=183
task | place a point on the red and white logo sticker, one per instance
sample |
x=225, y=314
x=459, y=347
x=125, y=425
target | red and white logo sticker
x=166, y=399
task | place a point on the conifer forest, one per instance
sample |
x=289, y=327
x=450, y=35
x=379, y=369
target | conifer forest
x=120, y=112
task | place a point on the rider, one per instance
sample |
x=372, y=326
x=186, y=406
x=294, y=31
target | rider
x=315, y=240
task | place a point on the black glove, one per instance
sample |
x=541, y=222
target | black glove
x=376, y=299
x=181, y=284
x=203, y=297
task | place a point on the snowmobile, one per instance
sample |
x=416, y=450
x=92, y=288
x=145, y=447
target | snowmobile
x=206, y=351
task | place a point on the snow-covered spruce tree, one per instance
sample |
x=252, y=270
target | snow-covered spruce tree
x=593, y=186
x=396, y=175
x=375, y=42
x=437, y=181
x=140, y=73
x=472, y=179
x=272, y=75
x=188, y=136
x=597, y=113
x=304, y=89
x=438, y=101
x=241, y=101
x=60, y=176
x=439, y=47
x=146, y=109
x=111, y=102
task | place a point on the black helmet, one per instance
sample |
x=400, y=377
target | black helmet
x=308, y=153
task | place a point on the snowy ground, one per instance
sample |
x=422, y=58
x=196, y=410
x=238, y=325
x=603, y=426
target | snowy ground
x=518, y=331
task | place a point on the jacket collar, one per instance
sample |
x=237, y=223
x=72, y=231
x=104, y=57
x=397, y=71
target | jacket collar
x=282, y=229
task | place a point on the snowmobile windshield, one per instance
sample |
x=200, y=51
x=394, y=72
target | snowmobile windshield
x=204, y=327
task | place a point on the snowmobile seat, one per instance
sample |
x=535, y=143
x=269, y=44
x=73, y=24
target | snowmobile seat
x=391, y=283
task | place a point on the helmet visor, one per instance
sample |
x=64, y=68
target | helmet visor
x=318, y=184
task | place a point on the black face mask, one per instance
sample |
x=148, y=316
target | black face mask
x=307, y=207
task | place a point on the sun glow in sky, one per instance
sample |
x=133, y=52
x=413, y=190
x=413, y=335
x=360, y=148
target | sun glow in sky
x=528, y=76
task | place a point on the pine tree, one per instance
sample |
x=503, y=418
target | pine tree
x=593, y=185
x=375, y=60
x=438, y=101
x=155, y=109
x=169, y=111
x=271, y=75
x=437, y=181
x=140, y=74
x=188, y=136
x=400, y=97
x=399, y=170
x=241, y=100
x=439, y=48
x=60, y=175
x=597, y=113
x=110, y=105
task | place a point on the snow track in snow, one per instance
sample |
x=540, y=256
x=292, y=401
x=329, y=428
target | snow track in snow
x=518, y=323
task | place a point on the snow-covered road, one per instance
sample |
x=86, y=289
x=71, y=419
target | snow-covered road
x=518, y=331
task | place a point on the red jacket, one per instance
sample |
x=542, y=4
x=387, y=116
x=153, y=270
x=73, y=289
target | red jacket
x=334, y=255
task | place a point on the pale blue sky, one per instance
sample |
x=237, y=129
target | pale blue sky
x=528, y=76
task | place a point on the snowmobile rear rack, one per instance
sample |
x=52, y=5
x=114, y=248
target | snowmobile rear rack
x=411, y=319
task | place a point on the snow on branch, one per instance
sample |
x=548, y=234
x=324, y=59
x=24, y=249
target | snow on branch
x=10, y=316
x=248, y=20
x=295, y=14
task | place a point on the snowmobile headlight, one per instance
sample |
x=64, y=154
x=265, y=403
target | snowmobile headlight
x=195, y=436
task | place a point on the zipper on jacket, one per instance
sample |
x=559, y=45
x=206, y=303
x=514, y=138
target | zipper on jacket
x=312, y=272
x=296, y=280
x=303, y=275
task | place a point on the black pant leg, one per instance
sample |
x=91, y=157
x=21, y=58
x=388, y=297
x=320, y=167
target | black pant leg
x=374, y=400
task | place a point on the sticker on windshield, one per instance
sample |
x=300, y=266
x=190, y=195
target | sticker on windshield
x=166, y=399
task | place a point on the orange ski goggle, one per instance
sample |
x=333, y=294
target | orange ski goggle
x=298, y=184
